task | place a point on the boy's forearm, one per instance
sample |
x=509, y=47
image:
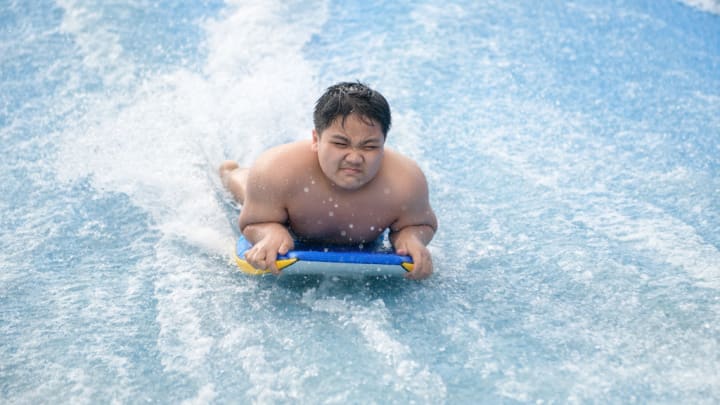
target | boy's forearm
x=255, y=232
x=424, y=233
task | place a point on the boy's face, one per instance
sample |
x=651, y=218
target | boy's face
x=350, y=155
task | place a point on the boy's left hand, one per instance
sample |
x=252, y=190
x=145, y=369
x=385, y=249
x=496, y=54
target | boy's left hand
x=422, y=259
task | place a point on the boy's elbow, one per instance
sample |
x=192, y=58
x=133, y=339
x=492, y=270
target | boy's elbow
x=432, y=221
x=245, y=222
x=242, y=222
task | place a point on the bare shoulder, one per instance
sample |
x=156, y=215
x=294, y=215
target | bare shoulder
x=272, y=181
x=290, y=154
x=410, y=191
x=278, y=166
x=404, y=173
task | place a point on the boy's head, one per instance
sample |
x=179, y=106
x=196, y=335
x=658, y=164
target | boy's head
x=347, y=98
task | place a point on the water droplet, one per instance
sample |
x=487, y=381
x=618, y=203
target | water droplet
x=307, y=190
x=372, y=228
x=350, y=226
x=343, y=233
x=330, y=213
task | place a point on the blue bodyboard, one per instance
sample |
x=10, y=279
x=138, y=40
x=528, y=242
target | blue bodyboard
x=313, y=260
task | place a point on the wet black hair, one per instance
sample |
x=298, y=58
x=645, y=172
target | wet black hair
x=343, y=99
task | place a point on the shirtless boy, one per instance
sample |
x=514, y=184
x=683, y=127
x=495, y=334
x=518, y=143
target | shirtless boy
x=342, y=187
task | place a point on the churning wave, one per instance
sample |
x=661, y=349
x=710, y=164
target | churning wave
x=711, y=6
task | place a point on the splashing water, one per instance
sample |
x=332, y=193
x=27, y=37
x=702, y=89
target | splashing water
x=572, y=156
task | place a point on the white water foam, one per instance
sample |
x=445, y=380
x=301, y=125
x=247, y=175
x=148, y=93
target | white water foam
x=665, y=237
x=160, y=143
x=711, y=6
x=554, y=164
x=372, y=321
x=99, y=47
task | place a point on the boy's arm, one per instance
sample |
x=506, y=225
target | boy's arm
x=412, y=241
x=263, y=218
x=416, y=226
x=269, y=239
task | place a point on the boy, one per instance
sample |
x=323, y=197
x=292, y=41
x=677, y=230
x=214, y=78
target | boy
x=342, y=187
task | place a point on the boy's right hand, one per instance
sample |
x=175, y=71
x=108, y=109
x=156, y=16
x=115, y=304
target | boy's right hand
x=274, y=240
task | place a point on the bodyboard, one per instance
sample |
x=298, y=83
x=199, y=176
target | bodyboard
x=313, y=260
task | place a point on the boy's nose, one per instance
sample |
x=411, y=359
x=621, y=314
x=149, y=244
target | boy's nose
x=354, y=157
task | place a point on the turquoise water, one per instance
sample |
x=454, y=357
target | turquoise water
x=572, y=151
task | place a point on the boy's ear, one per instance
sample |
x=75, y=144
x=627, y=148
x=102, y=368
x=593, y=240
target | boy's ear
x=315, y=140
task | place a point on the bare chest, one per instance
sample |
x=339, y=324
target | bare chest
x=353, y=219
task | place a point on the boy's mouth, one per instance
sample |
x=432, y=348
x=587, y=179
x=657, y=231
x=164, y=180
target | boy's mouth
x=351, y=170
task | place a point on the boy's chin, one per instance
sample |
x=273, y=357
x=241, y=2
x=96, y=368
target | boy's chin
x=347, y=185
